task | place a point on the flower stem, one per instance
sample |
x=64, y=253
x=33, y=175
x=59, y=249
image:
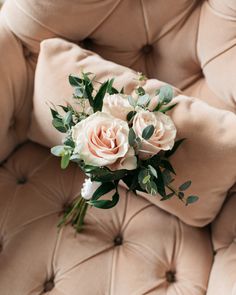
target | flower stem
x=170, y=187
x=75, y=215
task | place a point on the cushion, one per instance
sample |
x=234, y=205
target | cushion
x=127, y=250
x=222, y=279
x=207, y=157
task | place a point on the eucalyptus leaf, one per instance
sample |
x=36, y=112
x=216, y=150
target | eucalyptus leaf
x=58, y=124
x=166, y=94
x=148, y=132
x=191, y=200
x=143, y=100
x=152, y=170
x=131, y=101
x=166, y=109
x=185, y=185
x=140, y=91
x=130, y=115
x=131, y=137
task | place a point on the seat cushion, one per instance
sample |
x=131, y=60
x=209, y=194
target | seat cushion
x=207, y=154
x=223, y=274
x=134, y=248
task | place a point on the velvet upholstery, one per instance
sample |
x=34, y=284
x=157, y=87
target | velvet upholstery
x=136, y=248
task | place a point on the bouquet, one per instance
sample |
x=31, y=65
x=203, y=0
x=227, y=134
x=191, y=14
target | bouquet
x=114, y=138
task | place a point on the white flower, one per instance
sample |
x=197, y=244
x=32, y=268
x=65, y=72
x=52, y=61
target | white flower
x=101, y=140
x=88, y=188
x=116, y=105
x=164, y=134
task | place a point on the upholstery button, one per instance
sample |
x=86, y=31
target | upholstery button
x=87, y=43
x=147, y=49
x=118, y=240
x=170, y=276
x=22, y=180
x=1, y=247
x=26, y=52
x=48, y=286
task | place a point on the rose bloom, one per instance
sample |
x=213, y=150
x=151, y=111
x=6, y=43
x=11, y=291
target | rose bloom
x=116, y=105
x=164, y=134
x=102, y=140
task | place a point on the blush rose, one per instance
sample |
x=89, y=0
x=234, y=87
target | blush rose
x=102, y=140
x=164, y=134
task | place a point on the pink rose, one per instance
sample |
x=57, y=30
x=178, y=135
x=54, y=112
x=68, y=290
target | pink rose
x=116, y=105
x=102, y=140
x=164, y=134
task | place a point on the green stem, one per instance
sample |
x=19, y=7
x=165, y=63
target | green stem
x=170, y=187
x=75, y=215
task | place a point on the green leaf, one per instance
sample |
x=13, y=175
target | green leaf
x=67, y=119
x=98, y=100
x=185, y=185
x=160, y=183
x=65, y=109
x=167, y=165
x=166, y=94
x=131, y=137
x=58, y=124
x=103, y=189
x=131, y=101
x=88, y=90
x=122, y=91
x=181, y=195
x=143, y=100
x=191, y=200
x=54, y=113
x=175, y=147
x=151, y=188
x=166, y=109
x=110, y=88
x=141, y=176
x=65, y=160
x=130, y=115
x=74, y=81
x=167, y=197
x=152, y=171
x=146, y=179
x=78, y=91
x=140, y=91
x=105, y=204
x=105, y=175
x=166, y=176
x=58, y=150
x=148, y=132
x=69, y=142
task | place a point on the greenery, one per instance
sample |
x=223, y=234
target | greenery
x=153, y=176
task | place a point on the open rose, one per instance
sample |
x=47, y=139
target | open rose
x=164, y=134
x=116, y=105
x=102, y=140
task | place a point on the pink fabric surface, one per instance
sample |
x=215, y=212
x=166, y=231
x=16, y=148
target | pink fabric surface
x=150, y=258
x=210, y=144
x=188, y=43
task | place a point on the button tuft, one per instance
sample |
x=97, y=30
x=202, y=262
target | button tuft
x=147, y=49
x=48, y=286
x=21, y=180
x=170, y=276
x=118, y=240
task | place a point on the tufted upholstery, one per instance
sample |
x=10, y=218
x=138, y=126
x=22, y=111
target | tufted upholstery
x=136, y=247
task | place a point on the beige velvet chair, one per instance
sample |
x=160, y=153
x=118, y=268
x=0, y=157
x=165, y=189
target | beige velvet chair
x=137, y=247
